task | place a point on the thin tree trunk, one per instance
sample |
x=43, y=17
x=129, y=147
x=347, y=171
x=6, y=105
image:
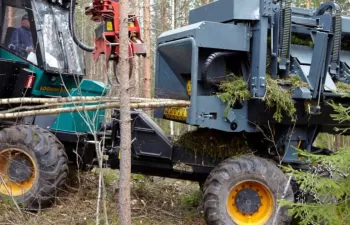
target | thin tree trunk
x=164, y=15
x=308, y=4
x=173, y=6
x=10, y=17
x=125, y=119
x=136, y=58
x=173, y=10
x=147, y=39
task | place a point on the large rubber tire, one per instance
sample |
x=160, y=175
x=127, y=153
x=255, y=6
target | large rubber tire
x=235, y=171
x=48, y=157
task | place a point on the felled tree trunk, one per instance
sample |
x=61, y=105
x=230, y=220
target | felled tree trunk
x=157, y=104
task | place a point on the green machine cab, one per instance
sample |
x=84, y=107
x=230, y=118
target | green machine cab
x=38, y=58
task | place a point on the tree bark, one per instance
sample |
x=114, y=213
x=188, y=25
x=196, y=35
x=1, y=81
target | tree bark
x=164, y=15
x=78, y=100
x=308, y=4
x=136, y=58
x=54, y=111
x=125, y=118
x=147, y=40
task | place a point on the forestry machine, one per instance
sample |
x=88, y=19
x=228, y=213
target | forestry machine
x=261, y=76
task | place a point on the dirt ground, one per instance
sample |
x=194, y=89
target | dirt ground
x=154, y=201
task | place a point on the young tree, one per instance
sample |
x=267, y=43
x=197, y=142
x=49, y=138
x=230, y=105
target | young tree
x=147, y=39
x=324, y=196
x=136, y=58
x=125, y=119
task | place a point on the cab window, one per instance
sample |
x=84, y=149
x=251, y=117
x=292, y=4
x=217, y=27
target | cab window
x=17, y=33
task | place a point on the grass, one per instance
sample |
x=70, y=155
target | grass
x=154, y=201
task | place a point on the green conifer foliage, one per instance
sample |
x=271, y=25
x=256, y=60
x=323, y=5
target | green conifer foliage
x=327, y=183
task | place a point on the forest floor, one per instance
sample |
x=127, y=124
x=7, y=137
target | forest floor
x=154, y=201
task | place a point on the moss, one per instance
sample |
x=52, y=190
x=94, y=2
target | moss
x=213, y=143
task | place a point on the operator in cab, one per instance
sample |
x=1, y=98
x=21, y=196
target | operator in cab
x=21, y=39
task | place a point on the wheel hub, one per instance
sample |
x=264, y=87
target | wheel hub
x=18, y=172
x=248, y=201
x=20, y=169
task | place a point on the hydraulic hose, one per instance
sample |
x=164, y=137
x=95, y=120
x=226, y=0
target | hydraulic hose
x=210, y=60
x=72, y=29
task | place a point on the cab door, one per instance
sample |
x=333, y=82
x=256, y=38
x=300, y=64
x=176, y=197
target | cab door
x=18, y=36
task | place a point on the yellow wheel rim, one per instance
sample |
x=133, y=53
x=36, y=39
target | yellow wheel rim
x=250, y=202
x=17, y=171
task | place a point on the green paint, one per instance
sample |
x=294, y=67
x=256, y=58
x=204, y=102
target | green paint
x=43, y=85
x=75, y=122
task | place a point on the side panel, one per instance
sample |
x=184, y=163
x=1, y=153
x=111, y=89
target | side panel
x=226, y=10
x=82, y=122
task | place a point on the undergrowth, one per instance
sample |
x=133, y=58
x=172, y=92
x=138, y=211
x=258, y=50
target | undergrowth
x=328, y=185
x=154, y=201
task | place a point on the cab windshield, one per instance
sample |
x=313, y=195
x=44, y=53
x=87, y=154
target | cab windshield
x=58, y=49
